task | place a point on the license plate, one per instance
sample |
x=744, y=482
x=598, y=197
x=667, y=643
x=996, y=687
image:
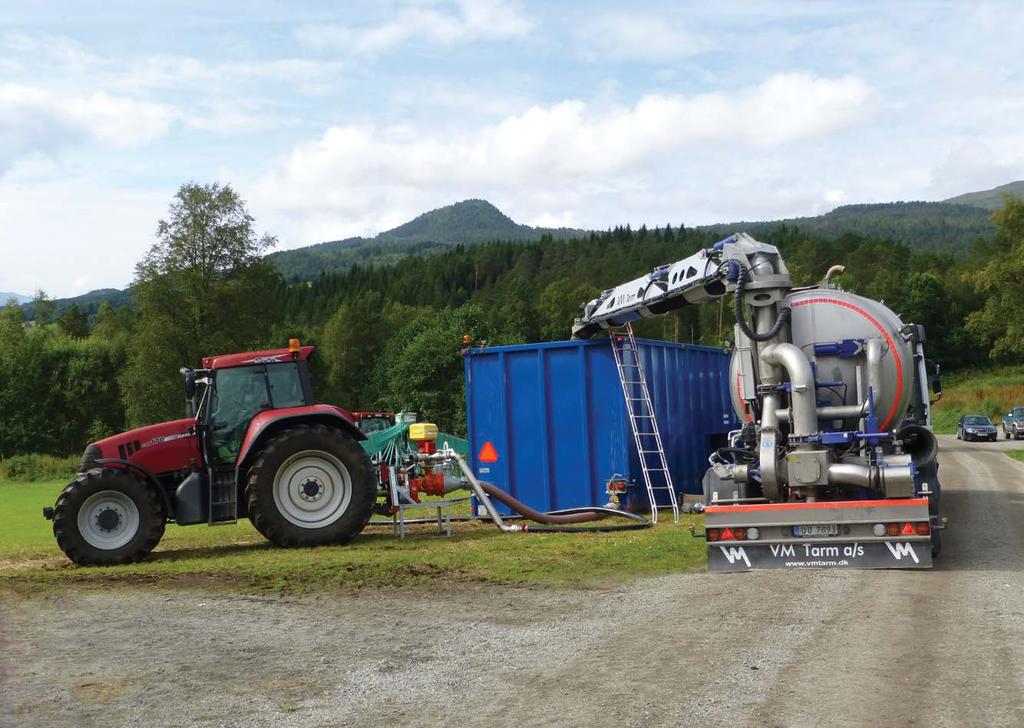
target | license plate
x=816, y=530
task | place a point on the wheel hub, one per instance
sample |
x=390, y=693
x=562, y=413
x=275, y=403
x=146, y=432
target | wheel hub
x=311, y=489
x=108, y=519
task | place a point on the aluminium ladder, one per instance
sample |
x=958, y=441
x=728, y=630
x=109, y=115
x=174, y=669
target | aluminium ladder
x=642, y=420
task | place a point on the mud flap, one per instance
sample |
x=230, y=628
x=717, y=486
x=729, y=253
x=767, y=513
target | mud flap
x=745, y=556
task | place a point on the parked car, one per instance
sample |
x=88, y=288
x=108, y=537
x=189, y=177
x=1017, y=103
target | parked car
x=1013, y=424
x=976, y=427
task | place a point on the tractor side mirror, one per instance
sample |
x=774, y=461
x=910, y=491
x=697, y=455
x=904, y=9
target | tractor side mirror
x=190, y=392
x=937, y=385
x=190, y=384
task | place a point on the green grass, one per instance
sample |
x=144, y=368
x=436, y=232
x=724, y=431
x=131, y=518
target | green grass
x=236, y=557
x=989, y=392
x=1016, y=454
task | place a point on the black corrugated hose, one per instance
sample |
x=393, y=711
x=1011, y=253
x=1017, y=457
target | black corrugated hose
x=567, y=516
x=782, y=320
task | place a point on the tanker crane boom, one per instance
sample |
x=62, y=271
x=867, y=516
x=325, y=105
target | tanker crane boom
x=702, y=277
x=835, y=463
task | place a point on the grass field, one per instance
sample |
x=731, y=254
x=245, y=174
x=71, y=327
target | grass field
x=992, y=392
x=238, y=558
x=1016, y=454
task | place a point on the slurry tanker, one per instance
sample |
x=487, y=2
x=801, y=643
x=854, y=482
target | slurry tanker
x=835, y=464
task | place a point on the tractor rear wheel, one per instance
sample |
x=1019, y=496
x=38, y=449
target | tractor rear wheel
x=311, y=485
x=107, y=517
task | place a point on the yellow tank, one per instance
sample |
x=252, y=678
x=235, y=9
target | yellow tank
x=423, y=432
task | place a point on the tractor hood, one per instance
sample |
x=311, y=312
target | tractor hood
x=159, y=448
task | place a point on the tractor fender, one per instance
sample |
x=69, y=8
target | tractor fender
x=266, y=423
x=147, y=475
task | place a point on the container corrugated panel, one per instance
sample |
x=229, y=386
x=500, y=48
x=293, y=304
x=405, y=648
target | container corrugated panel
x=555, y=415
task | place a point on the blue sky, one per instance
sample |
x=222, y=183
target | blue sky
x=336, y=119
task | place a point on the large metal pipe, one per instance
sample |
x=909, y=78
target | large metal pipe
x=767, y=455
x=873, y=349
x=895, y=477
x=849, y=474
x=801, y=379
x=831, y=412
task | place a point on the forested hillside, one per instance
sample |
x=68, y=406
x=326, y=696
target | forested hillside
x=989, y=199
x=389, y=336
x=934, y=226
x=953, y=225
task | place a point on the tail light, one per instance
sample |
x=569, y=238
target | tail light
x=920, y=528
x=739, y=534
x=713, y=534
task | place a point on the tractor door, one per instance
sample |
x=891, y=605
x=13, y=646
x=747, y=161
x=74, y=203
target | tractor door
x=236, y=395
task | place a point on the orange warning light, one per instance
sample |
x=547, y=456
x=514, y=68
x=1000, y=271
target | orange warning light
x=487, y=453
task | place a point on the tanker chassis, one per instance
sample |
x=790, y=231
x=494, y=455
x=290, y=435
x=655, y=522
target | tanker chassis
x=835, y=464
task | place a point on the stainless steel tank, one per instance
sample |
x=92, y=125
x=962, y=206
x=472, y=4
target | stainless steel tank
x=828, y=316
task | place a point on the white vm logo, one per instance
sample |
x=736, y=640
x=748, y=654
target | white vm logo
x=734, y=554
x=899, y=550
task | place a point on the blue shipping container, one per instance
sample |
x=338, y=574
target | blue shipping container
x=555, y=416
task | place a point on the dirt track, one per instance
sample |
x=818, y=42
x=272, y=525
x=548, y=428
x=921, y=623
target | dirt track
x=944, y=647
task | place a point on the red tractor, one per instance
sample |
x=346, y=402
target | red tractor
x=254, y=445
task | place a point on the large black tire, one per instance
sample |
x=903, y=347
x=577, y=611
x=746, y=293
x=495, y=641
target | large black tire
x=107, y=517
x=311, y=485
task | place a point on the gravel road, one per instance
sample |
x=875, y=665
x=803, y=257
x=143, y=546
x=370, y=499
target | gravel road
x=937, y=648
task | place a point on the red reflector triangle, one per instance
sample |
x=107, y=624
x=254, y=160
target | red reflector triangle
x=908, y=530
x=487, y=453
x=727, y=534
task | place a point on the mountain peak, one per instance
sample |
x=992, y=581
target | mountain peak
x=468, y=221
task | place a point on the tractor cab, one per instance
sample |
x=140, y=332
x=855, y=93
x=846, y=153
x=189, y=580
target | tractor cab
x=236, y=388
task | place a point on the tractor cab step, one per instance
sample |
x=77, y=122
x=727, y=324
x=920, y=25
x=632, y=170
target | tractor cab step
x=223, y=495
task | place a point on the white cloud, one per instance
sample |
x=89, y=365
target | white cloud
x=623, y=36
x=169, y=72
x=340, y=183
x=37, y=120
x=471, y=20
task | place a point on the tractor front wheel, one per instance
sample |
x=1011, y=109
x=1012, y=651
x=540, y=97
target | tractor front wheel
x=311, y=485
x=107, y=517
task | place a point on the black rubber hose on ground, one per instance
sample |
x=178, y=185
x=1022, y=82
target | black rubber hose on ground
x=564, y=517
x=741, y=321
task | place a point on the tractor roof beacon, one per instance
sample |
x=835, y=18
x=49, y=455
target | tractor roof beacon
x=254, y=444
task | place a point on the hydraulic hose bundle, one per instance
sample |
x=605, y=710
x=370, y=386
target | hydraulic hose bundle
x=741, y=320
